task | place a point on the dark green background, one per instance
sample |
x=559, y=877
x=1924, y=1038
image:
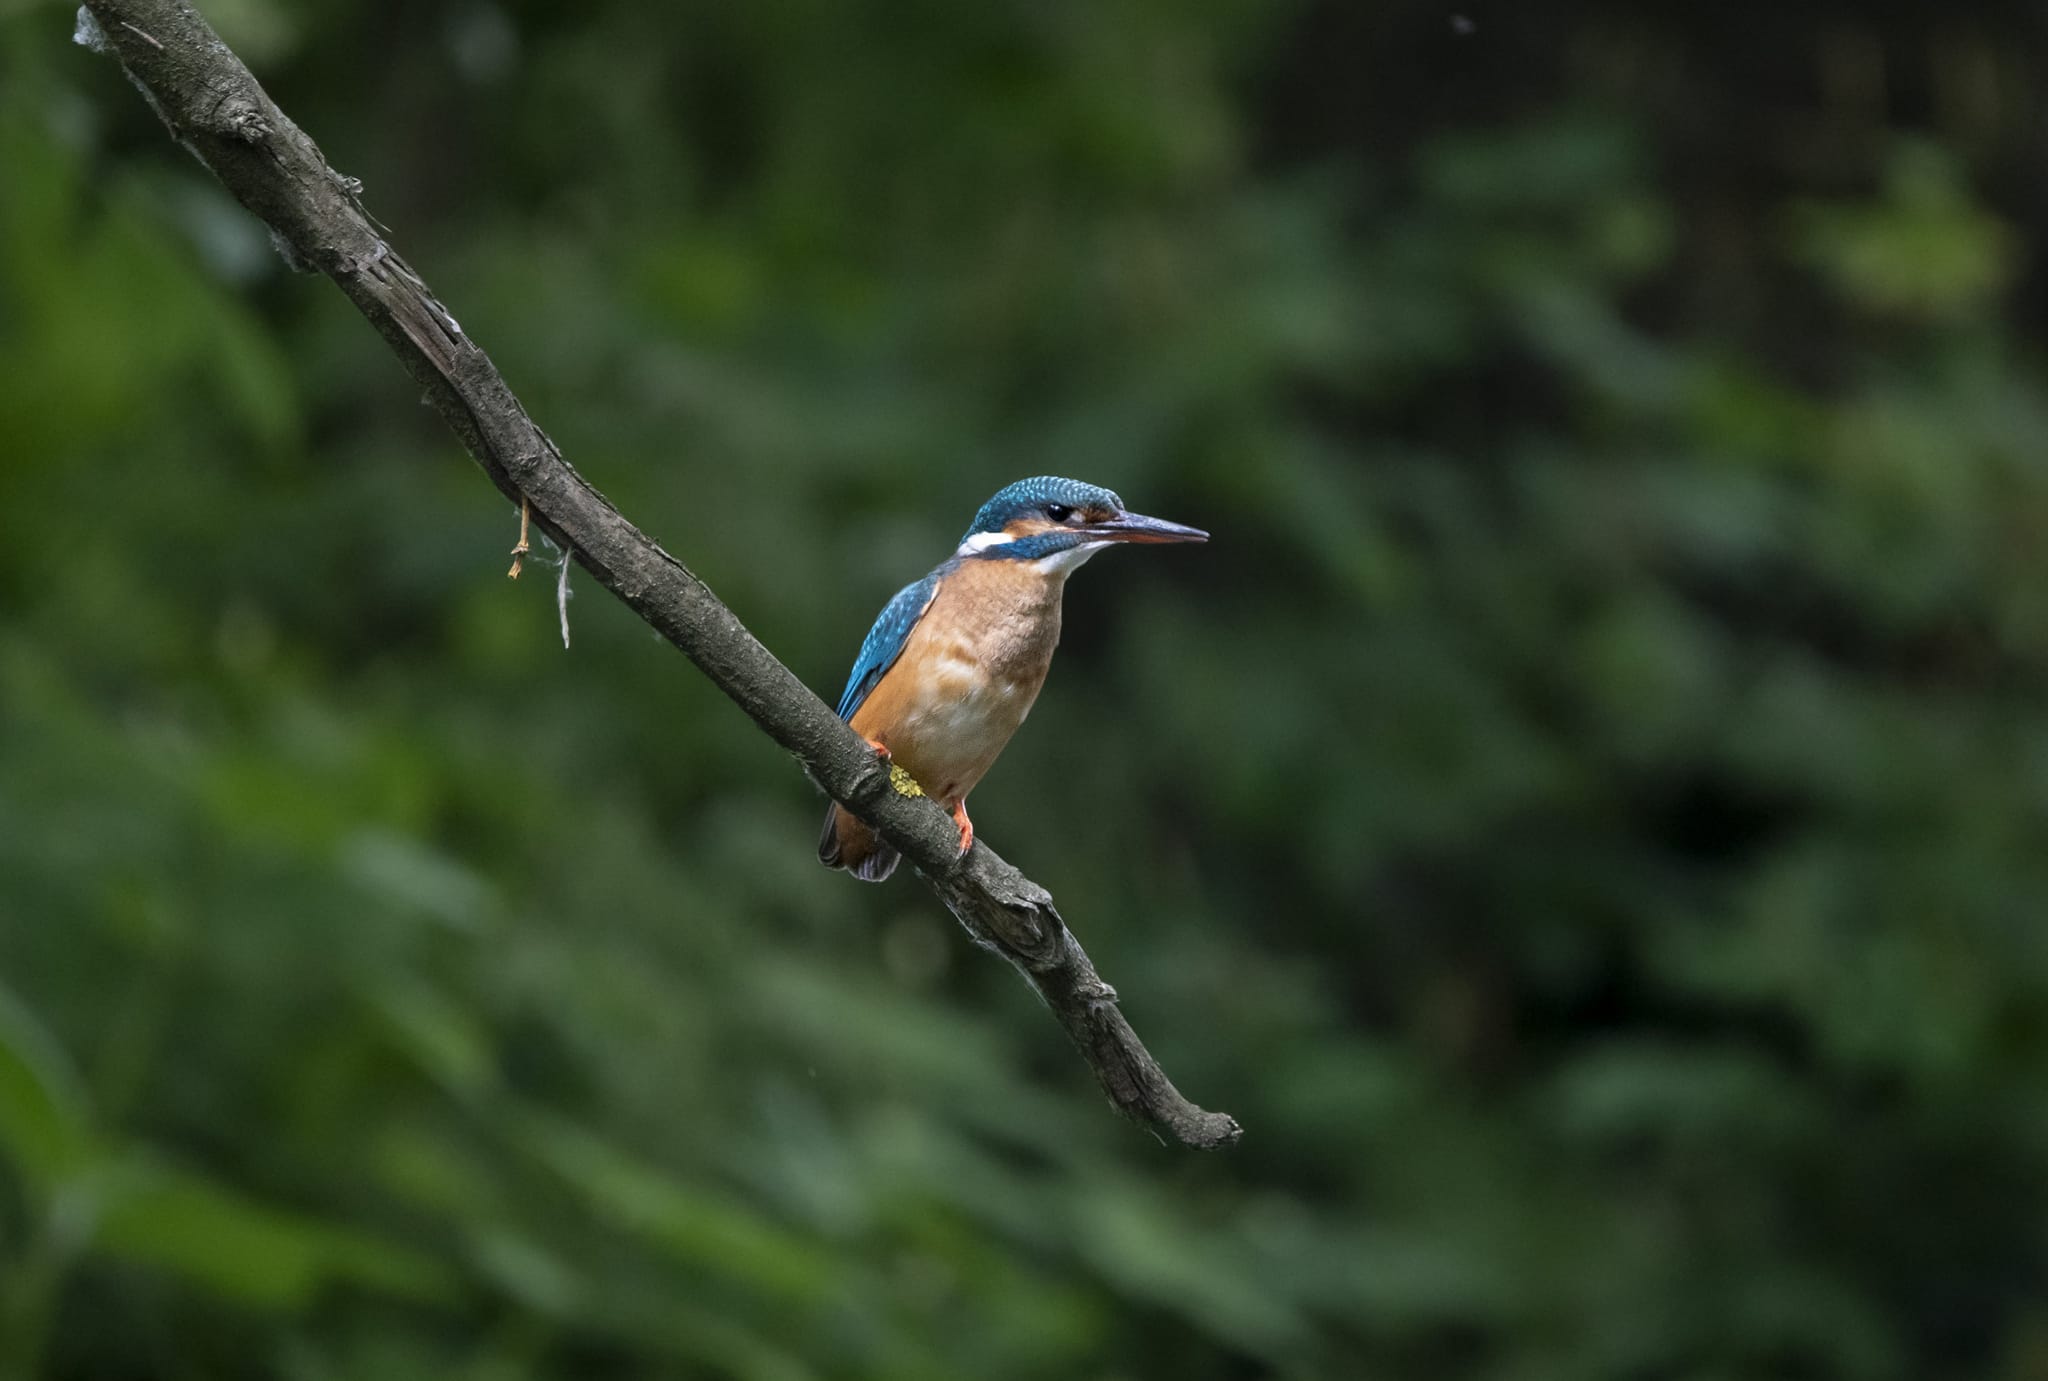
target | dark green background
x=1584, y=813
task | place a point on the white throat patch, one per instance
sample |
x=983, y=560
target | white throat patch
x=1065, y=562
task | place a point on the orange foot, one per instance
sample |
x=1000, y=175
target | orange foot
x=966, y=825
x=881, y=750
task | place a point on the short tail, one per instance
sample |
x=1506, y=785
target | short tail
x=849, y=842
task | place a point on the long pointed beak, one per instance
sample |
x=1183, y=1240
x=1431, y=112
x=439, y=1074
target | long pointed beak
x=1136, y=527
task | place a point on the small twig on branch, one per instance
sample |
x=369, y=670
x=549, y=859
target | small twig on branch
x=216, y=109
x=521, y=547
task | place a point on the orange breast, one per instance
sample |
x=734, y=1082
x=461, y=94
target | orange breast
x=967, y=676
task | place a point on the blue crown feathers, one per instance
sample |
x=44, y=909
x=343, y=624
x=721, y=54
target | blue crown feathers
x=1032, y=495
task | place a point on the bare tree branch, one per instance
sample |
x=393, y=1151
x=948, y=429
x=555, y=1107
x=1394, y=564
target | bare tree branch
x=216, y=109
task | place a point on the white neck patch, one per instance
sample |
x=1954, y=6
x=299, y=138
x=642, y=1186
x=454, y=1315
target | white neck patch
x=979, y=542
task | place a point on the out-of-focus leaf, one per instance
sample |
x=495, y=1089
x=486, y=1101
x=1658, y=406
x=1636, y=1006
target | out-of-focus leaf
x=717, y=1236
x=177, y=1221
x=45, y=1125
x=1925, y=249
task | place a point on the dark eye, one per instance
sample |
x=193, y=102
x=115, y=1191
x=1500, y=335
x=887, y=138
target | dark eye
x=1058, y=512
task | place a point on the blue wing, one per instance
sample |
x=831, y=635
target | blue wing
x=884, y=642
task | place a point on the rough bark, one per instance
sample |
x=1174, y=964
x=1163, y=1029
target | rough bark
x=216, y=110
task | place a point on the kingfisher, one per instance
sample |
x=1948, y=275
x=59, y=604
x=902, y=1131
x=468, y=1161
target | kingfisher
x=955, y=661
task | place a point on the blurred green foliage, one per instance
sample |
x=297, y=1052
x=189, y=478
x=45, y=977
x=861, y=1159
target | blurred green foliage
x=1584, y=814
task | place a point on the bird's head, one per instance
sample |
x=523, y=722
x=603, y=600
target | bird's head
x=1061, y=522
